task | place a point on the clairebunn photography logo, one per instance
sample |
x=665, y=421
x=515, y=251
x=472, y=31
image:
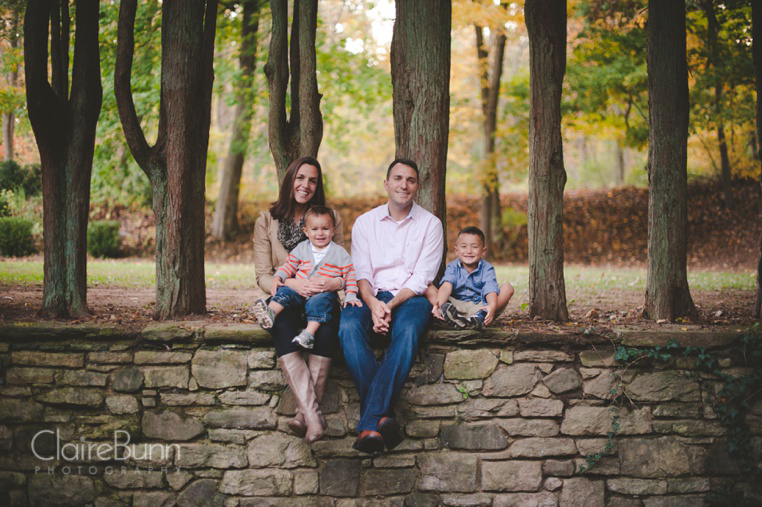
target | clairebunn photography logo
x=82, y=451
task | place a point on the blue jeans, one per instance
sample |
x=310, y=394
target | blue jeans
x=317, y=308
x=379, y=384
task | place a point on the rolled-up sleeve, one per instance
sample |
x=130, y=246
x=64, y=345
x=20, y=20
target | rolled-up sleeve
x=428, y=262
x=361, y=252
x=490, y=282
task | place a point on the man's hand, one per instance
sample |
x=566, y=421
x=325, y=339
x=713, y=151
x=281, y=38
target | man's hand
x=277, y=282
x=381, y=315
x=490, y=314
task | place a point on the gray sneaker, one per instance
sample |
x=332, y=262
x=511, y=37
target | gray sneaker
x=305, y=339
x=452, y=317
x=265, y=317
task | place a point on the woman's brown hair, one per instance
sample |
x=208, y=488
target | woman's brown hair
x=283, y=209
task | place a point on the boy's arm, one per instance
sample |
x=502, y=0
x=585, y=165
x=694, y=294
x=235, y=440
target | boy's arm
x=444, y=292
x=350, y=284
x=490, y=308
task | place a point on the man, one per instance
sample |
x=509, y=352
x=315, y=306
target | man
x=396, y=249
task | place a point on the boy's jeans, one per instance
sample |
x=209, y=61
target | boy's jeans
x=379, y=383
x=316, y=308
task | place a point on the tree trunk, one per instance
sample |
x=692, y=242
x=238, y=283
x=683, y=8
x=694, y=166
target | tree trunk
x=667, y=293
x=64, y=128
x=491, y=72
x=756, y=50
x=546, y=27
x=420, y=61
x=176, y=164
x=713, y=28
x=9, y=118
x=225, y=221
x=619, y=163
x=302, y=133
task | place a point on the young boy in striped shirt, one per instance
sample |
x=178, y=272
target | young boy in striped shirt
x=318, y=256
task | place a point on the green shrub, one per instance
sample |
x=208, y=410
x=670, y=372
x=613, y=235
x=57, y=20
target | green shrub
x=16, y=236
x=103, y=238
x=32, y=180
x=5, y=203
x=11, y=175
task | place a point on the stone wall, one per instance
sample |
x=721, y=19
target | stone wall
x=492, y=419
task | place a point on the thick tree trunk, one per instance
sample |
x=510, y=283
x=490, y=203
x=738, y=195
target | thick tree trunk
x=420, y=61
x=176, y=164
x=64, y=127
x=713, y=28
x=225, y=221
x=546, y=26
x=667, y=293
x=302, y=133
x=491, y=72
x=756, y=33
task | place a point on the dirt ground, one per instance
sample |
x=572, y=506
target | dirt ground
x=607, y=308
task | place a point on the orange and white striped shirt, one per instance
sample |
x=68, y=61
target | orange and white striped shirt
x=336, y=263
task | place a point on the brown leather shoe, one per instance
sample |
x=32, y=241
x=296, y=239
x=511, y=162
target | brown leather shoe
x=369, y=442
x=390, y=431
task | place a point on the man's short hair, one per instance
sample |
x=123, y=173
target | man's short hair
x=403, y=161
x=473, y=230
x=319, y=211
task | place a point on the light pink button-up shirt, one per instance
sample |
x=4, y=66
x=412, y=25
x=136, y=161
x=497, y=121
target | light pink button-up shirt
x=394, y=256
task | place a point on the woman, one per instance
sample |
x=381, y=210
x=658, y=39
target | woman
x=276, y=233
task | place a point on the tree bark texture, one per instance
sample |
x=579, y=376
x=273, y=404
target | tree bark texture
x=9, y=118
x=64, y=128
x=225, y=221
x=756, y=50
x=491, y=66
x=302, y=132
x=546, y=26
x=420, y=61
x=667, y=293
x=176, y=164
x=713, y=28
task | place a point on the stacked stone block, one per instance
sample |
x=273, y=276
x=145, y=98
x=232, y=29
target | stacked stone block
x=491, y=419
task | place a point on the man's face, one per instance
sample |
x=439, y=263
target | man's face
x=401, y=185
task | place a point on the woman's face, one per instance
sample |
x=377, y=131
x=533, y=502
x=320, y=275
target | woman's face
x=305, y=183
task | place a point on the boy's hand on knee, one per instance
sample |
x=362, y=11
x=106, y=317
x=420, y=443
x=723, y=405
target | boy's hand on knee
x=354, y=302
x=436, y=311
x=277, y=282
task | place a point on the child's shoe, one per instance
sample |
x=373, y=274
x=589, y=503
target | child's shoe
x=305, y=339
x=476, y=321
x=452, y=317
x=264, y=315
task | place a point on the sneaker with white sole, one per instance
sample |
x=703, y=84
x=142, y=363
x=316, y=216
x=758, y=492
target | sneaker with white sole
x=264, y=315
x=452, y=317
x=305, y=339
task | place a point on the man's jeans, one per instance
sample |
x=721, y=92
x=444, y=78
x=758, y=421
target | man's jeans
x=317, y=308
x=379, y=383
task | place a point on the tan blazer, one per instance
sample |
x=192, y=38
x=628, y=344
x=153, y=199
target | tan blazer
x=269, y=254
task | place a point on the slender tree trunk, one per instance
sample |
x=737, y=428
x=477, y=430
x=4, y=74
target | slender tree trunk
x=667, y=293
x=64, y=127
x=756, y=50
x=9, y=118
x=8, y=124
x=420, y=61
x=225, y=221
x=619, y=163
x=713, y=28
x=491, y=72
x=302, y=132
x=546, y=26
x=176, y=164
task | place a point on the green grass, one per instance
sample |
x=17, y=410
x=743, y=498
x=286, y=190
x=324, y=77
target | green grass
x=140, y=275
x=127, y=274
